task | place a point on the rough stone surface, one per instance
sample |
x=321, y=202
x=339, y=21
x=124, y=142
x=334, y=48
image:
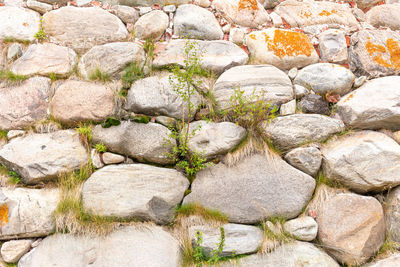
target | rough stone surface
x=333, y=46
x=192, y=21
x=385, y=16
x=245, y=13
x=284, y=49
x=111, y=158
x=217, y=56
x=39, y=6
x=373, y=53
x=326, y=78
x=135, y=191
x=110, y=58
x=14, y=51
x=212, y=139
x=267, y=81
x=76, y=101
x=45, y=59
x=18, y=111
x=155, y=96
x=39, y=157
x=300, y=91
x=288, y=108
x=313, y=103
x=364, y=161
x=126, y=13
x=18, y=23
x=83, y=28
x=254, y=189
x=239, y=239
x=294, y=130
x=361, y=231
x=392, y=215
x=288, y=255
x=303, y=228
x=151, y=25
x=302, y=14
x=236, y=35
x=391, y=261
x=27, y=212
x=128, y=246
x=306, y=159
x=12, y=251
x=144, y=142
x=358, y=111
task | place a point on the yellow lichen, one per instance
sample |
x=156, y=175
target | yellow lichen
x=248, y=5
x=252, y=36
x=288, y=43
x=328, y=13
x=394, y=51
x=388, y=57
x=3, y=214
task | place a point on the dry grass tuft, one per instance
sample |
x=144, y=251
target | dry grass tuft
x=274, y=235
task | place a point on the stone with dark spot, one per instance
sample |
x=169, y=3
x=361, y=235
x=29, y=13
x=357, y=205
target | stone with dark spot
x=314, y=104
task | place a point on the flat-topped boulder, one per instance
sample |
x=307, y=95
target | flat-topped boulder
x=27, y=212
x=284, y=49
x=45, y=59
x=151, y=25
x=135, y=191
x=83, y=28
x=247, y=13
x=149, y=142
x=217, y=56
x=375, y=53
x=256, y=188
x=18, y=23
x=302, y=14
x=24, y=104
x=110, y=58
x=41, y=157
x=359, y=111
x=266, y=81
x=127, y=246
x=385, y=16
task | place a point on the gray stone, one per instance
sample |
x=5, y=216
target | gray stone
x=166, y=121
x=135, y=191
x=239, y=239
x=358, y=111
x=313, y=103
x=111, y=158
x=288, y=108
x=55, y=2
x=295, y=130
x=110, y=58
x=202, y=3
x=151, y=25
x=391, y=261
x=359, y=81
x=333, y=46
x=256, y=188
x=15, y=133
x=302, y=228
x=373, y=53
x=83, y=28
x=126, y=14
x=284, y=49
x=306, y=159
x=22, y=105
x=14, y=51
x=192, y=21
x=385, y=16
x=169, y=9
x=144, y=142
x=96, y=159
x=363, y=161
x=267, y=81
x=39, y=6
x=300, y=91
x=217, y=56
x=326, y=78
x=77, y=101
x=148, y=3
x=276, y=19
x=18, y=23
x=45, y=59
x=292, y=73
x=12, y=251
x=156, y=96
x=27, y=212
x=211, y=139
x=40, y=157
x=288, y=255
x=144, y=10
x=367, y=3
x=268, y=4
x=360, y=233
x=127, y=246
x=392, y=215
x=236, y=35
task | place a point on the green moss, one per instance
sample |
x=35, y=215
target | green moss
x=3, y=134
x=99, y=75
x=12, y=77
x=196, y=209
x=101, y=148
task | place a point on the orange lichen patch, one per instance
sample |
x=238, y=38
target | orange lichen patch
x=328, y=13
x=305, y=14
x=348, y=98
x=288, y=43
x=285, y=24
x=248, y=5
x=3, y=214
x=252, y=36
x=388, y=57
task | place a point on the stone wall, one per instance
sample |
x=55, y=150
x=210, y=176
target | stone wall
x=89, y=116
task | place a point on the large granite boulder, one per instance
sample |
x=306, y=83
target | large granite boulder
x=151, y=25
x=385, y=16
x=18, y=23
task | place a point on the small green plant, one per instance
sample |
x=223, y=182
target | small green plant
x=149, y=47
x=101, y=148
x=41, y=35
x=99, y=75
x=14, y=40
x=141, y=119
x=133, y=72
x=13, y=177
x=110, y=121
x=85, y=133
x=54, y=77
x=190, y=209
x=199, y=257
x=12, y=77
x=3, y=134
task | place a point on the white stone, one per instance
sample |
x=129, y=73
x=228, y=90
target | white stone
x=12, y=251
